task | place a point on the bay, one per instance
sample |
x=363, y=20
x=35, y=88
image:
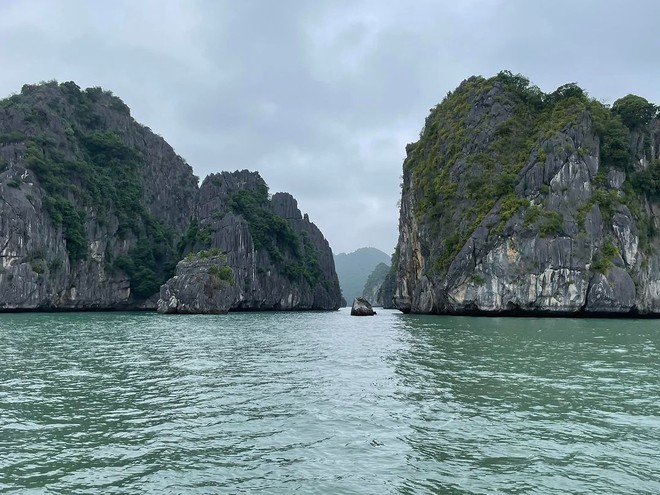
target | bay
x=323, y=402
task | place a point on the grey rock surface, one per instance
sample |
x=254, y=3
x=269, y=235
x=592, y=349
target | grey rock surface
x=288, y=277
x=37, y=271
x=197, y=289
x=386, y=292
x=361, y=307
x=570, y=245
x=50, y=127
x=373, y=287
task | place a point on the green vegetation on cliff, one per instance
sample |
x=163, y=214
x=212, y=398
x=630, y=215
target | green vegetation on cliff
x=222, y=273
x=90, y=173
x=105, y=176
x=269, y=231
x=289, y=250
x=97, y=210
x=477, y=142
x=516, y=201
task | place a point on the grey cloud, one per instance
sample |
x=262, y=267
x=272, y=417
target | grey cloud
x=320, y=97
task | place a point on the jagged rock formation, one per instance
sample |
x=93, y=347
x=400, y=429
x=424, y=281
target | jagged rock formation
x=278, y=258
x=200, y=285
x=362, y=307
x=91, y=201
x=372, y=288
x=96, y=210
x=515, y=201
x=388, y=287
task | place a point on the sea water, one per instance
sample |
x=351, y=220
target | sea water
x=322, y=402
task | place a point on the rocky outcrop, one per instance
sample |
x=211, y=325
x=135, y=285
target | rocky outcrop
x=362, y=307
x=518, y=202
x=279, y=259
x=201, y=285
x=96, y=210
x=82, y=187
x=388, y=288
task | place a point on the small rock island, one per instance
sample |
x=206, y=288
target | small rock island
x=362, y=307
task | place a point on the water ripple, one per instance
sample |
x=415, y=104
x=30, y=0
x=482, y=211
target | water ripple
x=325, y=403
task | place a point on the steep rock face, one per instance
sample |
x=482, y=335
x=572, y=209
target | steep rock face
x=516, y=201
x=96, y=210
x=279, y=259
x=82, y=187
x=388, y=288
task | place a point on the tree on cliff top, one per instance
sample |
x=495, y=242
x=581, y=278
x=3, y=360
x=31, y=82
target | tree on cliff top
x=634, y=111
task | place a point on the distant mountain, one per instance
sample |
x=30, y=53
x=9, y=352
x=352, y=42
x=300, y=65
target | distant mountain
x=353, y=270
x=372, y=288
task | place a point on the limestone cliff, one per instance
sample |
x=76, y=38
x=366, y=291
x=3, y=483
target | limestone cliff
x=200, y=285
x=95, y=209
x=278, y=259
x=91, y=202
x=516, y=201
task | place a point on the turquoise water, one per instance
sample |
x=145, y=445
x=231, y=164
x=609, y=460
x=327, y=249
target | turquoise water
x=327, y=403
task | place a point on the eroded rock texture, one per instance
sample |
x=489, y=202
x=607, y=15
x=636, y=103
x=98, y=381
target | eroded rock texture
x=515, y=201
x=279, y=259
x=96, y=210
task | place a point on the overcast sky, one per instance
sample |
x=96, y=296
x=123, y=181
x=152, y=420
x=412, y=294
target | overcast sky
x=321, y=97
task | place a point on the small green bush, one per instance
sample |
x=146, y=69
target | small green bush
x=534, y=212
x=552, y=223
x=609, y=250
x=73, y=221
x=222, y=275
x=635, y=112
x=648, y=181
x=601, y=264
x=38, y=265
x=55, y=265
